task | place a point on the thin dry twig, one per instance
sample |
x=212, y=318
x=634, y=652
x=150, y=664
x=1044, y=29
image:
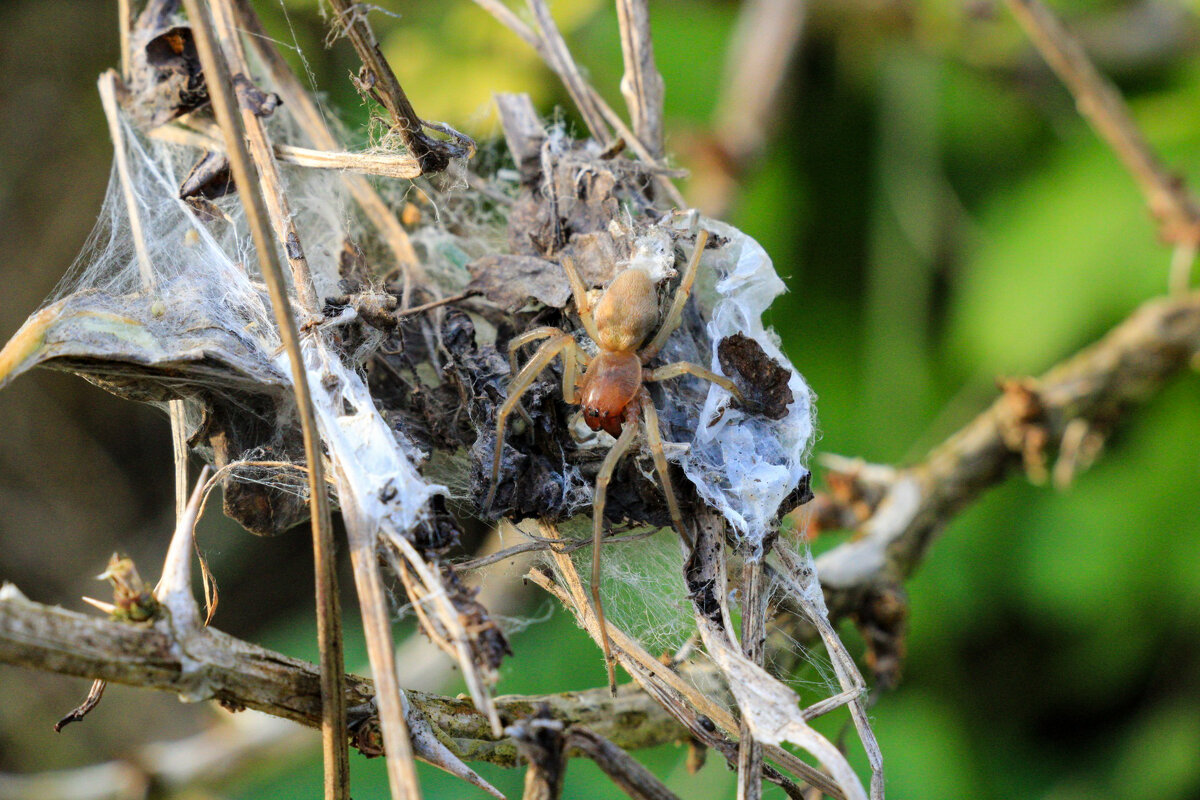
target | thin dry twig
x=1102, y=105
x=560, y=60
x=124, y=26
x=642, y=85
x=433, y=155
x=430, y=590
x=329, y=633
x=624, y=770
x=539, y=740
x=94, y=695
x=538, y=544
x=313, y=124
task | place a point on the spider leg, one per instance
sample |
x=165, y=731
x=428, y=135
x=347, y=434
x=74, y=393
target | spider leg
x=517, y=342
x=671, y=321
x=654, y=439
x=520, y=384
x=602, y=479
x=579, y=292
x=514, y=345
x=687, y=368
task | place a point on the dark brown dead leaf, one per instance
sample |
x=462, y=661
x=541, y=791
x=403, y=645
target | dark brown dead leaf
x=764, y=383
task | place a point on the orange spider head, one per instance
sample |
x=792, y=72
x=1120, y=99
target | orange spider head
x=609, y=386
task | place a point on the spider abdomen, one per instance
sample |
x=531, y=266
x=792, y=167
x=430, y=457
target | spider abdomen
x=610, y=384
x=628, y=311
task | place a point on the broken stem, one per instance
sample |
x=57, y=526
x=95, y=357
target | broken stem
x=433, y=155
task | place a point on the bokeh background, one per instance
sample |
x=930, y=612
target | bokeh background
x=942, y=216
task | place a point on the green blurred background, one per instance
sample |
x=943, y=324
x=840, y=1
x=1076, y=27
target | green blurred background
x=942, y=216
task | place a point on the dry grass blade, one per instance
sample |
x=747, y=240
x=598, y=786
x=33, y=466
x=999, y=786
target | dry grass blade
x=429, y=589
x=854, y=688
x=510, y=20
x=328, y=611
x=385, y=165
x=1102, y=105
x=771, y=709
x=642, y=85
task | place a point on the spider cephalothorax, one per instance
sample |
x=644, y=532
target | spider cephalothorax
x=610, y=389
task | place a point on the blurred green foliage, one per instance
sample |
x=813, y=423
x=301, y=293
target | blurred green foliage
x=943, y=217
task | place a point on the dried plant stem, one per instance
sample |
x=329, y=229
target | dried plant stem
x=642, y=85
x=624, y=770
x=511, y=21
x=392, y=700
x=1102, y=105
x=854, y=688
x=754, y=619
x=124, y=23
x=220, y=88
x=433, y=155
x=458, y=644
x=560, y=60
x=313, y=124
x=263, y=155
x=385, y=165
x=771, y=709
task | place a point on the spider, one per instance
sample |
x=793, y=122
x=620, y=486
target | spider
x=610, y=389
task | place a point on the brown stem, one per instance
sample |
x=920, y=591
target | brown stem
x=329, y=633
